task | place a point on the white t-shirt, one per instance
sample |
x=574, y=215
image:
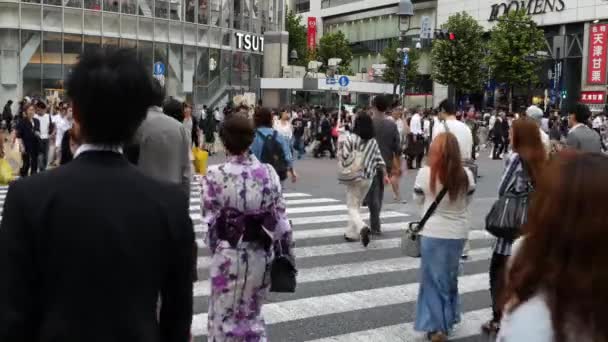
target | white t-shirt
x=284, y=129
x=44, y=120
x=461, y=131
x=416, y=125
x=451, y=219
x=62, y=125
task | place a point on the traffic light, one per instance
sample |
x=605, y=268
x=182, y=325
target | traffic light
x=444, y=34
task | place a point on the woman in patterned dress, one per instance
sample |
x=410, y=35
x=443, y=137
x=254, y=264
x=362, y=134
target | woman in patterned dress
x=244, y=209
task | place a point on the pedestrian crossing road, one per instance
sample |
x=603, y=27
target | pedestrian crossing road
x=347, y=292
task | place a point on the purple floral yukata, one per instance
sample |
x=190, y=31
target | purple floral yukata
x=240, y=277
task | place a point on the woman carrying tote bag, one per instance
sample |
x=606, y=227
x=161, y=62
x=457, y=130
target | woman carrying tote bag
x=443, y=236
x=359, y=161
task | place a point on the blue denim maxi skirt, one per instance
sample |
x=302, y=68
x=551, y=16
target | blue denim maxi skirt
x=438, y=306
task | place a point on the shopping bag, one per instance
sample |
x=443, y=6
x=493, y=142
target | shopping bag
x=200, y=160
x=6, y=172
x=12, y=154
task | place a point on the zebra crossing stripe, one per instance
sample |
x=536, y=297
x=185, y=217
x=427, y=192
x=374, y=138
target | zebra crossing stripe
x=338, y=218
x=317, y=209
x=341, y=271
x=295, y=194
x=343, y=248
x=471, y=322
x=297, y=309
x=310, y=201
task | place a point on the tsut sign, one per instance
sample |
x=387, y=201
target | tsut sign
x=249, y=42
x=598, y=44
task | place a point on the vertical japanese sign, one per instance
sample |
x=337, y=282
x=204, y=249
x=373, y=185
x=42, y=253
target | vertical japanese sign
x=596, y=65
x=312, y=33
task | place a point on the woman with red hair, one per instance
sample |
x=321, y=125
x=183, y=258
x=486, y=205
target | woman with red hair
x=443, y=236
x=557, y=281
x=522, y=170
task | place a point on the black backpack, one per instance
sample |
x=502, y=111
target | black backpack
x=272, y=153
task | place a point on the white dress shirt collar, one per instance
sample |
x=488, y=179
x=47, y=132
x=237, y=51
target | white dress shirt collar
x=96, y=147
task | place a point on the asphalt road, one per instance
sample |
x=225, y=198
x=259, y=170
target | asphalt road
x=349, y=293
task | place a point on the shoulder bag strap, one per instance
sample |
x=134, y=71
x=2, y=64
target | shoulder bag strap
x=431, y=209
x=445, y=125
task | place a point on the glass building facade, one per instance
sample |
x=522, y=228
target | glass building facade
x=196, y=40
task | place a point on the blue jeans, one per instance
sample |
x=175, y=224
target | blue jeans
x=438, y=306
x=298, y=145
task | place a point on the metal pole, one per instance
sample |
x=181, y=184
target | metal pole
x=339, y=108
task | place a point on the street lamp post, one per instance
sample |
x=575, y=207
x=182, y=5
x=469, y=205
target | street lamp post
x=293, y=56
x=405, y=13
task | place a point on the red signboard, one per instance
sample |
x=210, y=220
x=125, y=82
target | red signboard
x=312, y=33
x=598, y=43
x=593, y=97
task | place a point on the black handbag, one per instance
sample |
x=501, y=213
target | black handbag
x=509, y=213
x=283, y=272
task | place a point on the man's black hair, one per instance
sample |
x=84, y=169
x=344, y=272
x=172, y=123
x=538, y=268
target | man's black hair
x=382, y=102
x=447, y=106
x=174, y=109
x=364, y=126
x=111, y=92
x=581, y=112
x=9, y=102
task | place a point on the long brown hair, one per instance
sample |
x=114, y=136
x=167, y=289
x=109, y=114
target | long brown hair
x=527, y=143
x=445, y=162
x=564, y=255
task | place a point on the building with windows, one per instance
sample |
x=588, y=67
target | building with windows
x=210, y=49
x=575, y=58
x=370, y=25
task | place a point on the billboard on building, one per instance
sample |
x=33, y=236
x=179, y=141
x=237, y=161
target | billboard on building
x=598, y=43
x=312, y=33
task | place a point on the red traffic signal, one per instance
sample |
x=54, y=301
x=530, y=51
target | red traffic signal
x=452, y=36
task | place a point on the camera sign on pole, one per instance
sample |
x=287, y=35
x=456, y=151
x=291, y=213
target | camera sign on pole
x=343, y=91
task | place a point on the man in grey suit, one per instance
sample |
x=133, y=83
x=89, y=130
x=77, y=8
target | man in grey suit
x=163, y=145
x=580, y=136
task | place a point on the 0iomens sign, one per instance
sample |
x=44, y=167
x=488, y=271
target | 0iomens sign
x=598, y=43
x=249, y=42
x=593, y=97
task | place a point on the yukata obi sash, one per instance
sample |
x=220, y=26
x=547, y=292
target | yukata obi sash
x=235, y=226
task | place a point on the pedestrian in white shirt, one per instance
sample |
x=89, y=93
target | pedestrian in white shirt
x=46, y=128
x=415, y=150
x=283, y=126
x=60, y=125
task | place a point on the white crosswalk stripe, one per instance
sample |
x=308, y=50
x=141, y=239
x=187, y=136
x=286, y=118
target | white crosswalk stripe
x=338, y=279
x=318, y=229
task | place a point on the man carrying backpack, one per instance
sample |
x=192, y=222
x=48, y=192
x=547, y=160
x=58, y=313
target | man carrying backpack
x=270, y=147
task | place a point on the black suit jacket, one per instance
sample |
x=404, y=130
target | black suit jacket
x=85, y=251
x=26, y=131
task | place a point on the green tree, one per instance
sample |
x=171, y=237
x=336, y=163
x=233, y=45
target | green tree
x=335, y=45
x=456, y=62
x=297, y=38
x=513, y=44
x=394, y=65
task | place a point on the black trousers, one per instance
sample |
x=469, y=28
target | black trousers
x=374, y=199
x=498, y=147
x=497, y=282
x=325, y=144
x=30, y=163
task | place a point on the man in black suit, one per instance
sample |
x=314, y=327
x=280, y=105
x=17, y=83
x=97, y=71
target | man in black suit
x=28, y=131
x=86, y=249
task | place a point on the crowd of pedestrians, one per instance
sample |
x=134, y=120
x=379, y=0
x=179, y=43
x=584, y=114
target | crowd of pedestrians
x=114, y=220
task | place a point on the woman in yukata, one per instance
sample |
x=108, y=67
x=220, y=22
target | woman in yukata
x=244, y=209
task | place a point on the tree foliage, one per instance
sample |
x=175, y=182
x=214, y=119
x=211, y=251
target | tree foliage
x=513, y=41
x=457, y=63
x=335, y=45
x=297, y=38
x=394, y=64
